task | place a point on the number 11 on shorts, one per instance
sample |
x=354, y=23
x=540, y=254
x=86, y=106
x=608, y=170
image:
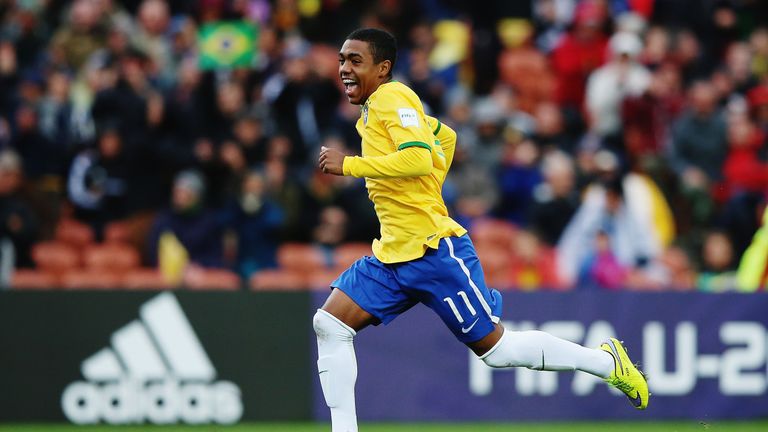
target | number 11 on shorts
x=452, y=305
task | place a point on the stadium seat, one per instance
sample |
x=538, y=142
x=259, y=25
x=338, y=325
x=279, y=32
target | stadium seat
x=301, y=257
x=277, y=280
x=90, y=279
x=492, y=232
x=74, y=233
x=145, y=278
x=212, y=279
x=33, y=279
x=495, y=261
x=348, y=253
x=55, y=257
x=117, y=232
x=115, y=257
x=320, y=280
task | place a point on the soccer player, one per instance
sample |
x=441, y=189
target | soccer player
x=423, y=255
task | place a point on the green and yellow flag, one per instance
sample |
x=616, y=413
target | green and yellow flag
x=227, y=44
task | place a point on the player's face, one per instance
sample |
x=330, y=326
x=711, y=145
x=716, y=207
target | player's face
x=358, y=72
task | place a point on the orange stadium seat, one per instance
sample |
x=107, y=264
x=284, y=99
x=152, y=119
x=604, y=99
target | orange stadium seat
x=74, y=232
x=212, y=279
x=277, y=280
x=55, y=257
x=117, y=232
x=300, y=256
x=33, y=279
x=348, y=253
x=90, y=279
x=145, y=278
x=320, y=280
x=116, y=257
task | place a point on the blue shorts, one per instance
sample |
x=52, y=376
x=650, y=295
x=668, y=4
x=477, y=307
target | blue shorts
x=449, y=280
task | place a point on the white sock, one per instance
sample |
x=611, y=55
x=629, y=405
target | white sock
x=337, y=367
x=541, y=351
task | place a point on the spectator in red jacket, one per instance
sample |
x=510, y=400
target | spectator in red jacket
x=579, y=52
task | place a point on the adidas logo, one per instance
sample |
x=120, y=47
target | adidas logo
x=155, y=371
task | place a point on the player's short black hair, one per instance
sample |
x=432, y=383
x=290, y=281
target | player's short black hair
x=382, y=44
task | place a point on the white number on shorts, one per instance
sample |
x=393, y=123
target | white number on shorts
x=455, y=311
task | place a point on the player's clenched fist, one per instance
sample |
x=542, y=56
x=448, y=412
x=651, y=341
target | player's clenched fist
x=331, y=161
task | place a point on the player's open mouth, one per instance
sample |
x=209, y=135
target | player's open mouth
x=350, y=86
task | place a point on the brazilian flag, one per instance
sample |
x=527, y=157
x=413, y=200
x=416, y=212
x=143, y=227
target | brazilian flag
x=227, y=44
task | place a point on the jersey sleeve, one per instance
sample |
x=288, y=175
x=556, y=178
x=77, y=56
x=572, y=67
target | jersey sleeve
x=404, y=122
x=446, y=138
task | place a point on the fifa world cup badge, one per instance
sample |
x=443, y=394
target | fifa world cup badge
x=365, y=113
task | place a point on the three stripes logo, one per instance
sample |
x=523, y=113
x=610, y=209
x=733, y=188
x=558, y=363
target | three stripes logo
x=155, y=371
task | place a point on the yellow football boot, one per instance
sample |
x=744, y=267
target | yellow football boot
x=626, y=376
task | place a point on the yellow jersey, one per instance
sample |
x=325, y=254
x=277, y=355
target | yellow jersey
x=405, y=159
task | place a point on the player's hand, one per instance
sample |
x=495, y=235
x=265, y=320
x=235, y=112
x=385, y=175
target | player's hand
x=331, y=161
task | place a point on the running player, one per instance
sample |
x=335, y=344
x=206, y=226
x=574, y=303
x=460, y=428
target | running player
x=423, y=255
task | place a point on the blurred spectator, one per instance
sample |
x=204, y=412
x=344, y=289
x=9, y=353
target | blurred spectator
x=152, y=38
x=579, y=52
x=604, y=236
x=717, y=273
x=647, y=118
x=608, y=85
x=19, y=227
x=256, y=221
x=556, y=199
x=525, y=69
x=517, y=177
x=698, y=149
x=304, y=103
x=752, y=272
x=758, y=43
x=80, y=37
x=533, y=265
x=189, y=219
x=101, y=181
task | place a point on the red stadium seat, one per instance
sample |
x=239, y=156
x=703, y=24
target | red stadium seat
x=33, y=279
x=144, y=278
x=212, y=279
x=115, y=257
x=90, y=279
x=55, y=257
x=320, y=280
x=117, y=232
x=348, y=253
x=277, y=280
x=301, y=257
x=74, y=233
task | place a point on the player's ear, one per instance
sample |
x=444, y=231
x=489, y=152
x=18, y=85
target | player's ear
x=385, y=67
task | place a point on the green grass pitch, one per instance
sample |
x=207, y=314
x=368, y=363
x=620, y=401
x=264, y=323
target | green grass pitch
x=679, y=426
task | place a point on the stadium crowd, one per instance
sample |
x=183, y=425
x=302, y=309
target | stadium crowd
x=603, y=144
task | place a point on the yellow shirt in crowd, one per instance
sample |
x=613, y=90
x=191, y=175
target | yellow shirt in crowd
x=405, y=159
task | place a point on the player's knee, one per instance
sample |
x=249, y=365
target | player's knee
x=328, y=327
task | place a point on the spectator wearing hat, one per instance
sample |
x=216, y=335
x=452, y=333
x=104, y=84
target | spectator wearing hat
x=607, y=86
x=256, y=221
x=196, y=227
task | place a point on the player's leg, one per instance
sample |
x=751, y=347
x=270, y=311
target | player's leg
x=538, y=350
x=336, y=325
x=460, y=297
x=364, y=295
